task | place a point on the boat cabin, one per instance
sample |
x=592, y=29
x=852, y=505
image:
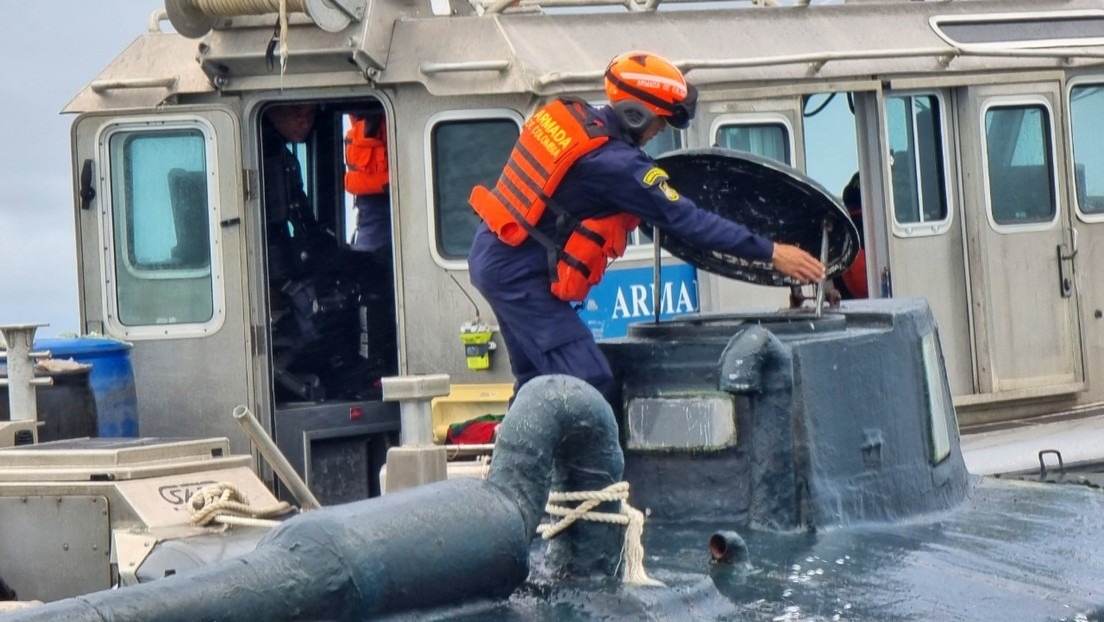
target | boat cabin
x=226, y=252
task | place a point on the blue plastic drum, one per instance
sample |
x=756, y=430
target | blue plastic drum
x=112, y=379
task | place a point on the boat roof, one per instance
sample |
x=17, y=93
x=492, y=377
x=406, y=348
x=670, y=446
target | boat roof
x=529, y=49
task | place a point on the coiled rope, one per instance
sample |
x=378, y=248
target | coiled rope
x=223, y=503
x=632, y=551
x=230, y=8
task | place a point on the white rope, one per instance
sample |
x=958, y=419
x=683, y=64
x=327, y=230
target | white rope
x=283, y=40
x=223, y=503
x=632, y=551
x=231, y=8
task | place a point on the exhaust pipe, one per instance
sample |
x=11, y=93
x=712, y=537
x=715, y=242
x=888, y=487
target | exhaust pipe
x=447, y=542
x=756, y=364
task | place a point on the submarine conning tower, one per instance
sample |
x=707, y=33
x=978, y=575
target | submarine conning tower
x=789, y=421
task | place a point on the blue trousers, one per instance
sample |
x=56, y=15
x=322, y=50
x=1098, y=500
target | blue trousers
x=544, y=335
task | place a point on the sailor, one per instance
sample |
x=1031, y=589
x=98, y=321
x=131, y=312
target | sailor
x=367, y=178
x=575, y=185
x=852, y=282
x=290, y=221
x=296, y=245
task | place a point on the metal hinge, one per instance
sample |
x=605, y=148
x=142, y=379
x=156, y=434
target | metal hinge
x=249, y=184
x=256, y=336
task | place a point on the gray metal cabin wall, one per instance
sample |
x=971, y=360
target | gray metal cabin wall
x=433, y=307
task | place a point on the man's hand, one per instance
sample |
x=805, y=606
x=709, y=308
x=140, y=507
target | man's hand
x=794, y=262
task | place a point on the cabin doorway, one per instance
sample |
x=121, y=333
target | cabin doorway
x=329, y=266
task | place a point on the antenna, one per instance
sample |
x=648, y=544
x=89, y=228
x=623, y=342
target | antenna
x=466, y=295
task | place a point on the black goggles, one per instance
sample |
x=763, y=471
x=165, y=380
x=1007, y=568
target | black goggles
x=682, y=113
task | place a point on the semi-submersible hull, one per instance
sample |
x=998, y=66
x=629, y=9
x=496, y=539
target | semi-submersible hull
x=821, y=450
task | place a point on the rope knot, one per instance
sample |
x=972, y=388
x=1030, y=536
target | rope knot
x=224, y=503
x=632, y=551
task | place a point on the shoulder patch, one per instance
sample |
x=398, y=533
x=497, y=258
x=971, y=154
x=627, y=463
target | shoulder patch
x=668, y=191
x=653, y=176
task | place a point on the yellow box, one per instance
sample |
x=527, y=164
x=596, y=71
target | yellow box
x=466, y=402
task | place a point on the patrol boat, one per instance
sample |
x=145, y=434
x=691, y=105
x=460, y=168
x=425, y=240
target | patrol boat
x=971, y=130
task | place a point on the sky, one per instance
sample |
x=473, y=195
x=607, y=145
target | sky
x=49, y=50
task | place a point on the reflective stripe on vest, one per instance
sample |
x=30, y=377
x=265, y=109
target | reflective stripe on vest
x=366, y=160
x=551, y=141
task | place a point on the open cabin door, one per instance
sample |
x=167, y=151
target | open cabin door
x=161, y=256
x=1017, y=219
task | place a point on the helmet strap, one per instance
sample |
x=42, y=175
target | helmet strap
x=638, y=93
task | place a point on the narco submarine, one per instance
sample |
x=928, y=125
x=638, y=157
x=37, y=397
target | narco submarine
x=770, y=453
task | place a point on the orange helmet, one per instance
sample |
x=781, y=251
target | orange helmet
x=655, y=83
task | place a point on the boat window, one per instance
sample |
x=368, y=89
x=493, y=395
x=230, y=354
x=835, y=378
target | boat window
x=914, y=128
x=1019, y=164
x=830, y=138
x=1087, y=123
x=1022, y=30
x=465, y=153
x=941, y=415
x=160, y=225
x=770, y=140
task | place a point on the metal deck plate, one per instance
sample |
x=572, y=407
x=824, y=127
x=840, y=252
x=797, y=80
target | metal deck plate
x=114, y=459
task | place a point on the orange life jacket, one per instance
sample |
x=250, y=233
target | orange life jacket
x=551, y=141
x=591, y=247
x=854, y=278
x=366, y=160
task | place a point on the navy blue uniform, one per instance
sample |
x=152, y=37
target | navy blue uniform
x=543, y=334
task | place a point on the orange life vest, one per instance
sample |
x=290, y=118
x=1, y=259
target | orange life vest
x=551, y=141
x=366, y=159
x=591, y=247
x=854, y=278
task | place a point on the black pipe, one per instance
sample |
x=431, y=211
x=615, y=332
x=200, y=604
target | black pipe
x=561, y=433
x=728, y=547
x=755, y=363
x=422, y=547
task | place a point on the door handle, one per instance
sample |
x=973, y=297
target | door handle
x=1065, y=279
x=1072, y=246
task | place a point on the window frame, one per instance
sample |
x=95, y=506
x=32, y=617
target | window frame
x=640, y=249
x=504, y=114
x=1003, y=101
x=108, y=240
x=757, y=119
x=1098, y=81
x=934, y=227
x=1044, y=17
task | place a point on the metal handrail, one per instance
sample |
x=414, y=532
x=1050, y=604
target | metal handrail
x=430, y=68
x=99, y=86
x=818, y=59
